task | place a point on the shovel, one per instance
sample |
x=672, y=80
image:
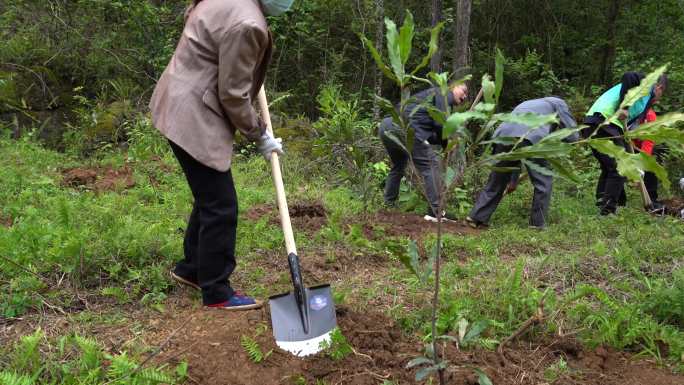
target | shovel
x=305, y=317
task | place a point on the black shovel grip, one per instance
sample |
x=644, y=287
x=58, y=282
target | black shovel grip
x=296, y=275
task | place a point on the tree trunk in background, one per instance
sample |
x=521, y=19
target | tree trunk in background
x=436, y=59
x=608, y=55
x=379, y=43
x=462, y=51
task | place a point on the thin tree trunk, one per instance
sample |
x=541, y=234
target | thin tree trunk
x=436, y=59
x=379, y=43
x=608, y=56
x=462, y=51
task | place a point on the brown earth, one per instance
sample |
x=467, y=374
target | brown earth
x=306, y=217
x=209, y=340
x=311, y=217
x=99, y=179
x=398, y=224
x=674, y=206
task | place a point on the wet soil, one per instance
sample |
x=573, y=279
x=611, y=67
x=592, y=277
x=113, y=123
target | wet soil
x=99, y=179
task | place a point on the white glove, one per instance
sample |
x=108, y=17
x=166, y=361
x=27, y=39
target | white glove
x=642, y=173
x=268, y=145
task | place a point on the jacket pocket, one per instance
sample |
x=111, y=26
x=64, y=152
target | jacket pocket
x=210, y=99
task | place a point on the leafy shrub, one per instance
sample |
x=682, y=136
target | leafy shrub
x=347, y=141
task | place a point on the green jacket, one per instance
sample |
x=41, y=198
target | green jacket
x=608, y=103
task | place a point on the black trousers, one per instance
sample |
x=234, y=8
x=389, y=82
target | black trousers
x=209, y=243
x=610, y=189
x=424, y=158
x=490, y=197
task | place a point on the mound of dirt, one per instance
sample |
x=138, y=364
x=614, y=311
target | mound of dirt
x=98, y=179
x=392, y=223
x=306, y=217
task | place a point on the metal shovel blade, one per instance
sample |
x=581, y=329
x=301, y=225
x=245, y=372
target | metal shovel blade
x=287, y=321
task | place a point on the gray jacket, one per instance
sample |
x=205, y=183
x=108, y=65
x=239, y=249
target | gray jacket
x=543, y=106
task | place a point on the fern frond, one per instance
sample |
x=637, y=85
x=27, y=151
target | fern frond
x=252, y=348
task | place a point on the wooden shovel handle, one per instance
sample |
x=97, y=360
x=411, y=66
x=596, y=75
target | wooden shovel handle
x=278, y=179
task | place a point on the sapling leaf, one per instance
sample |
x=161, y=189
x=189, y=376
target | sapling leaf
x=498, y=74
x=378, y=59
x=629, y=165
x=528, y=119
x=475, y=330
x=432, y=47
x=436, y=114
x=394, y=138
x=562, y=170
x=406, y=33
x=456, y=123
x=488, y=89
x=394, y=50
x=661, y=130
x=462, y=328
x=643, y=89
x=538, y=168
x=485, y=107
x=424, y=372
x=419, y=361
x=410, y=258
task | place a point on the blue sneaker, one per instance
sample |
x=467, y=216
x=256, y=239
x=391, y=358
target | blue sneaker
x=238, y=301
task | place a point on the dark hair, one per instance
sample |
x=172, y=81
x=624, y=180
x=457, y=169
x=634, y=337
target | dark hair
x=195, y=2
x=663, y=81
x=629, y=80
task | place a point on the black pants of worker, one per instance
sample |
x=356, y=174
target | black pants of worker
x=424, y=158
x=610, y=190
x=209, y=243
x=650, y=179
x=491, y=195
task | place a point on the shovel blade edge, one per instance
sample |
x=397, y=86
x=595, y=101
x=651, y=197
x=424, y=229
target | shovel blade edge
x=287, y=323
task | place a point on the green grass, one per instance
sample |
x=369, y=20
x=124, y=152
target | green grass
x=615, y=281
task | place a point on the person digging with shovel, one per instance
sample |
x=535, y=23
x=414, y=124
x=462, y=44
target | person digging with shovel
x=501, y=182
x=427, y=132
x=204, y=96
x=610, y=189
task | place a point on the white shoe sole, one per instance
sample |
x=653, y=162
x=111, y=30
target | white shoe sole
x=434, y=220
x=256, y=305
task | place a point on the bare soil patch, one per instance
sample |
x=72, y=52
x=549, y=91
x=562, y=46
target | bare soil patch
x=306, y=217
x=99, y=179
x=210, y=342
x=414, y=226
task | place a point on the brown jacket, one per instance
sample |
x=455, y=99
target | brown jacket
x=207, y=90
